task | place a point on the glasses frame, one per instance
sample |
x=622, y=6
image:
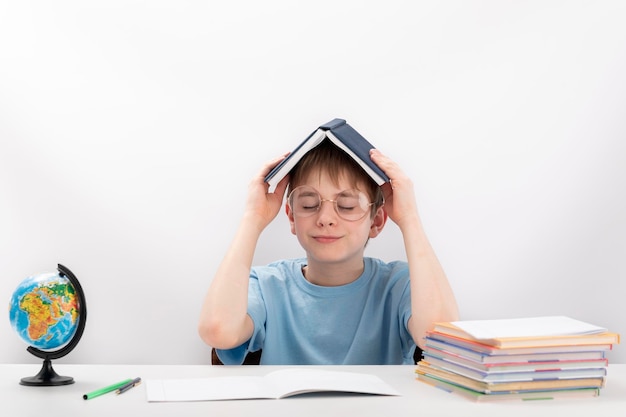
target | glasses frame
x=322, y=200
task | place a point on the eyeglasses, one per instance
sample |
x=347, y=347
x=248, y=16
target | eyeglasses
x=350, y=205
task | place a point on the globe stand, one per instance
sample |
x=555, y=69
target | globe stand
x=47, y=376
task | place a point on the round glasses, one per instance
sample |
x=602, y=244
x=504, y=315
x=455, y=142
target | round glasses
x=351, y=205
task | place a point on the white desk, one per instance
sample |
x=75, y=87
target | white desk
x=418, y=399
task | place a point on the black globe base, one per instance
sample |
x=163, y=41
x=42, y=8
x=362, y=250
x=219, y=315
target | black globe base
x=46, y=377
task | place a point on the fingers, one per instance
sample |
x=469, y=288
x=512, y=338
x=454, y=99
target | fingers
x=388, y=166
x=387, y=190
x=259, y=180
x=271, y=165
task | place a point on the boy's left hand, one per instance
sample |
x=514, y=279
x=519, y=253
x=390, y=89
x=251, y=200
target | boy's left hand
x=400, y=203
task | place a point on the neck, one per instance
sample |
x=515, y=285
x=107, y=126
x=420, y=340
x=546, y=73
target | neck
x=332, y=275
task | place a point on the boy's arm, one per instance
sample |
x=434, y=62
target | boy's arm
x=432, y=299
x=224, y=322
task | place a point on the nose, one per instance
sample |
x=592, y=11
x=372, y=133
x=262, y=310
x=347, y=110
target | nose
x=327, y=215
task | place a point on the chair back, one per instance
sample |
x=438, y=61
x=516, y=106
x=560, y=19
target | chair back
x=254, y=358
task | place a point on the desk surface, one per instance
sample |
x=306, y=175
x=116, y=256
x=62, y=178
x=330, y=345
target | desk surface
x=417, y=398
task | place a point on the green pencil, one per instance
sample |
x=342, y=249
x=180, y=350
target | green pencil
x=104, y=390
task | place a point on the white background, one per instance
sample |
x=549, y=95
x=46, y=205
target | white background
x=129, y=131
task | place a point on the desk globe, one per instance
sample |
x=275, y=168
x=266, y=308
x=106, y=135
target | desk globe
x=48, y=311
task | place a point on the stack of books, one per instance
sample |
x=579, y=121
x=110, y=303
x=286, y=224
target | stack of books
x=525, y=359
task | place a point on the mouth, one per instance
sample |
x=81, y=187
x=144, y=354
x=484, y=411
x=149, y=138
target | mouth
x=326, y=239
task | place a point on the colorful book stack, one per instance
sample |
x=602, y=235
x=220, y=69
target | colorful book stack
x=524, y=359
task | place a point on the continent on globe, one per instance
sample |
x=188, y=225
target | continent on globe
x=46, y=306
x=44, y=310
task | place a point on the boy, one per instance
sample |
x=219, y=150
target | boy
x=335, y=306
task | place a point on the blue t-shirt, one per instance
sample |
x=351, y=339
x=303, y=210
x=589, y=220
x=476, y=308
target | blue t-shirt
x=299, y=323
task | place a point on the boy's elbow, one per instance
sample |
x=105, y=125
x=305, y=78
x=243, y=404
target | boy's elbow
x=215, y=334
x=205, y=332
x=209, y=332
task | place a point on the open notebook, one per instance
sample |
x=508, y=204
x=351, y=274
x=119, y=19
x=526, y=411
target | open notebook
x=275, y=385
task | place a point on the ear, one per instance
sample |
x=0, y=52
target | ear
x=378, y=222
x=292, y=222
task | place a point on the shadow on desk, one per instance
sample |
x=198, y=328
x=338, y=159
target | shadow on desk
x=254, y=358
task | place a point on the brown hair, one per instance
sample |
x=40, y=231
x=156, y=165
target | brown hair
x=329, y=158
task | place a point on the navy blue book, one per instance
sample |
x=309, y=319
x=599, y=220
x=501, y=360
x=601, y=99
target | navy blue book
x=341, y=134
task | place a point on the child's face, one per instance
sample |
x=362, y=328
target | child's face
x=325, y=235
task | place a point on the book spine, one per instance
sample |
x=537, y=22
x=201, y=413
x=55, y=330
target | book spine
x=333, y=124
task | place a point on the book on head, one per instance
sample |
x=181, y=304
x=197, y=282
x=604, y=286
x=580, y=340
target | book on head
x=342, y=135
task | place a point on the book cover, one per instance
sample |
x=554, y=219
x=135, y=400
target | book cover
x=486, y=387
x=529, y=332
x=491, y=350
x=443, y=359
x=520, y=375
x=527, y=327
x=530, y=395
x=341, y=134
x=453, y=348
